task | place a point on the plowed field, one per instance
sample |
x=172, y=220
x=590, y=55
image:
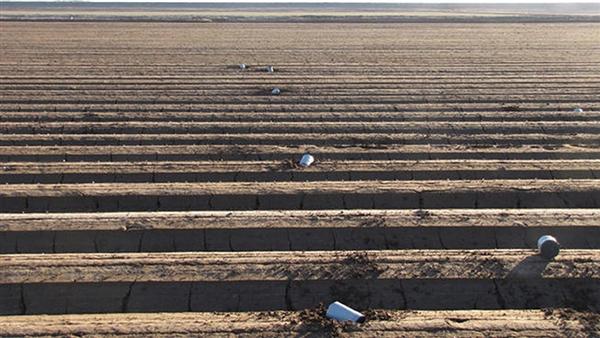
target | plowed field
x=151, y=187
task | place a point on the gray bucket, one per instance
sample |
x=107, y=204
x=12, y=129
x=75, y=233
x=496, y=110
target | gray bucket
x=306, y=160
x=548, y=247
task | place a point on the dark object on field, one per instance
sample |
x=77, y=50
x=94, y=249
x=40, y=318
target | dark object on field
x=511, y=108
x=548, y=247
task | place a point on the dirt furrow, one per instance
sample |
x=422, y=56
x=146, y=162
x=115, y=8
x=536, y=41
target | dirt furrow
x=240, y=171
x=434, y=116
x=277, y=266
x=300, y=195
x=296, y=230
x=508, y=323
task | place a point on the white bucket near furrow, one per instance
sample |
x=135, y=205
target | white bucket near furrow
x=306, y=160
x=341, y=312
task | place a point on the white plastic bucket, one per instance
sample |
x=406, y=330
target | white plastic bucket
x=548, y=246
x=578, y=110
x=242, y=66
x=270, y=69
x=276, y=91
x=306, y=160
x=339, y=311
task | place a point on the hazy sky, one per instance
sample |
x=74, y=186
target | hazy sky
x=364, y=1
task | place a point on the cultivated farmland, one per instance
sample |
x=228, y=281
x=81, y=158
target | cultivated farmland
x=151, y=186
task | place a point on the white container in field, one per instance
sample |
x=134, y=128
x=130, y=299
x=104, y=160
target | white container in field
x=276, y=91
x=306, y=160
x=339, y=311
x=242, y=66
x=578, y=110
x=548, y=247
x=270, y=69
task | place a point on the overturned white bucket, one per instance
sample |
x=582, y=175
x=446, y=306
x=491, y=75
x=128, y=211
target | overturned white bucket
x=548, y=246
x=306, y=160
x=242, y=66
x=276, y=91
x=578, y=110
x=270, y=69
x=339, y=311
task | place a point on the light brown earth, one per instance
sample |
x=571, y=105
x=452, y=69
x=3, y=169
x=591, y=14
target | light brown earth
x=450, y=218
x=505, y=323
x=137, y=161
x=279, y=266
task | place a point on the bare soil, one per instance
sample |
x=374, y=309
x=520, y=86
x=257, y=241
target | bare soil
x=144, y=175
x=509, y=323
